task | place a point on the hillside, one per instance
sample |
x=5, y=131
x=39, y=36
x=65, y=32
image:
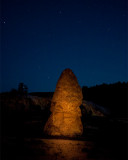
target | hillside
x=114, y=97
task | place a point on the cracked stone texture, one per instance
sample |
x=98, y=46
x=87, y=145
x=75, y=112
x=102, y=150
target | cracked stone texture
x=65, y=119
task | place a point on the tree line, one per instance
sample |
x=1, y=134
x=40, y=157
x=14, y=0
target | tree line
x=112, y=96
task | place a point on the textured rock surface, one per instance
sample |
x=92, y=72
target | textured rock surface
x=65, y=119
x=93, y=109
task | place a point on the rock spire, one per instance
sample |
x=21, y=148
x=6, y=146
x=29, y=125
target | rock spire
x=65, y=119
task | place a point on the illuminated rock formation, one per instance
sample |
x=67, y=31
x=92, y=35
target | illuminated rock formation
x=65, y=119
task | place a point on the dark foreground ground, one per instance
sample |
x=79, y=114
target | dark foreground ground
x=23, y=139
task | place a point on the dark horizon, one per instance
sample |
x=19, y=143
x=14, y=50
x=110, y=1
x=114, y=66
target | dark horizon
x=13, y=89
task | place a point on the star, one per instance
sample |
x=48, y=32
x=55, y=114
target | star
x=79, y=21
x=60, y=12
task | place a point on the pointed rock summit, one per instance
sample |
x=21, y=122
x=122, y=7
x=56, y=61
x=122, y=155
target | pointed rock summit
x=65, y=119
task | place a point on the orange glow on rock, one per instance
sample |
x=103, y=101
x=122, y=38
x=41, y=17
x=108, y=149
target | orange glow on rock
x=65, y=119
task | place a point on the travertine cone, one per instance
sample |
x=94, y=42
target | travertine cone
x=65, y=119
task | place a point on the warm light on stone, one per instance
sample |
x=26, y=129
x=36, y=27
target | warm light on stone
x=65, y=119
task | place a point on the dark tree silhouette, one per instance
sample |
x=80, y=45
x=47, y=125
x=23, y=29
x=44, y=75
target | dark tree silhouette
x=22, y=89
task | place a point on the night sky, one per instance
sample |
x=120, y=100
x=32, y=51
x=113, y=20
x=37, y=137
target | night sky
x=40, y=38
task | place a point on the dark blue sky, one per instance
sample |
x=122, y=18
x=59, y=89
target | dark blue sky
x=40, y=38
